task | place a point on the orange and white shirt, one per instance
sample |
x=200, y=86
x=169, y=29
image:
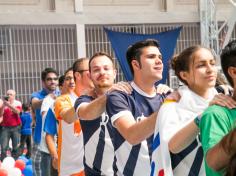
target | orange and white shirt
x=70, y=140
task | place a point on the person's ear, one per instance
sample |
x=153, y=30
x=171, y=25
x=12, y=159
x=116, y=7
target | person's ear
x=135, y=64
x=115, y=73
x=77, y=75
x=232, y=72
x=184, y=75
x=89, y=75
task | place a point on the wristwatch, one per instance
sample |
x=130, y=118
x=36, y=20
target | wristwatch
x=197, y=121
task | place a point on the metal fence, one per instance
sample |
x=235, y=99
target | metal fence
x=26, y=50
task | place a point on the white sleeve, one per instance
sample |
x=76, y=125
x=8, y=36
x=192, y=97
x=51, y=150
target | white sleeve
x=43, y=106
x=120, y=114
x=164, y=129
x=168, y=121
x=77, y=109
x=46, y=104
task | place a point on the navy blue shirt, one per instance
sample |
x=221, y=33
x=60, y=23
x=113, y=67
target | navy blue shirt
x=132, y=159
x=99, y=150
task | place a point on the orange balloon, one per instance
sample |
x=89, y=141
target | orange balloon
x=20, y=164
x=3, y=172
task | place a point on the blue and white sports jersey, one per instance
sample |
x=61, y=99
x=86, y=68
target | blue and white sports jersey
x=38, y=117
x=132, y=160
x=99, y=150
x=50, y=125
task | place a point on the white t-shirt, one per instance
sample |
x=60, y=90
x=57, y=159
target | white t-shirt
x=70, y=140
x=48, y=102
x=172, y=117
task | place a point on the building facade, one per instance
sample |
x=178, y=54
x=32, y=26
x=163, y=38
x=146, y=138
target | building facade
x=35, y=34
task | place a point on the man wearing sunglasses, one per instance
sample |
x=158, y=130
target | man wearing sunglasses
x=49, y=78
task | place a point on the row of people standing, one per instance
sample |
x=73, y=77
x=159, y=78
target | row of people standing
x=109, y=129
x=45, y=150
x=118, y=151
x=103, y=75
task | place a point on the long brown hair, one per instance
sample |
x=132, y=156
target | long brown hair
x=182, y=61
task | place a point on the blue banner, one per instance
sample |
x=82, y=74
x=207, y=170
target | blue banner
x=121, y=40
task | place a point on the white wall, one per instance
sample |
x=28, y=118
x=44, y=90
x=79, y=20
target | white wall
x=103, y=11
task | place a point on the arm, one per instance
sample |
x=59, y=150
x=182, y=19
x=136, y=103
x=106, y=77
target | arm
x=84, y=109
x=13, y=108
x=52, y=149
x=135, y=132
x=50, y=128
x=64, y=109
x=172, y=131
x=183, y=138
x=186, y=135
x=168, y=125
x=98, y=105
x=51, y=145
x=68, y=114
x=219, y=156
x=32, y=112
x=36, y=103
x=120, y=108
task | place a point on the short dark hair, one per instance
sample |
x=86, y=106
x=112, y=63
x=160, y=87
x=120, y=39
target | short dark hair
x=134, y=51
x=45, y=72
x=25, y=106
x=69, y=69
x=61, y=80
x=77, y=64
x=228, y=59
x=101, y=54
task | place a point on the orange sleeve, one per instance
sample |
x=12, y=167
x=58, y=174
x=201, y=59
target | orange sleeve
x=77, y=128
x=62, y=102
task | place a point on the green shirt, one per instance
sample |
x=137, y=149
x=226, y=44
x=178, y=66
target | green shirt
x=216, y=122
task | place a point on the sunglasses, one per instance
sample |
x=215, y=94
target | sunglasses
x=51, y=79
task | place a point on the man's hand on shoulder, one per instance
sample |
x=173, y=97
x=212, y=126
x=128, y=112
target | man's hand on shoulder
x=223, y=100
x=52, y=95
x=121, y=86
x=174, y=96
x=163, y=89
